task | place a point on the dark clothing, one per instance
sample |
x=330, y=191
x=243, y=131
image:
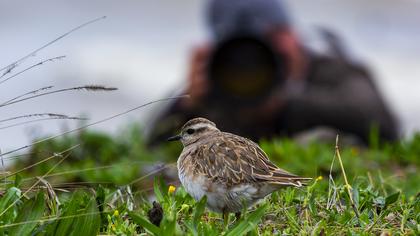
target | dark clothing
x=336, y=93
x=341, y=95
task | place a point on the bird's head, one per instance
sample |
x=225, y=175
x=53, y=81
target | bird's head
x=194, y=130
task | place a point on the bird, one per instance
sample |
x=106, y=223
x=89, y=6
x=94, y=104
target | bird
x=233, y=172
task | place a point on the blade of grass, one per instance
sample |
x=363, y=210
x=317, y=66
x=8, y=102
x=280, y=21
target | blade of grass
x=140, y=220
x=32, y=209
x=94, y=123
x=88, y=169
x=348, y=186
x=158, y=191
x=332, y=189
x=151, y=173
x=88, y=224
x=27, y=154
x=42, y=161
x=38, y=120
x=63, y=226
x=10, y=196
x=199, y=210
x=390, y=199
x=49, y=171
x=49, y=219
x=248, y=223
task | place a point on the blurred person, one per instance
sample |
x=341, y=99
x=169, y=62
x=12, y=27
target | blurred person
x=256, y=78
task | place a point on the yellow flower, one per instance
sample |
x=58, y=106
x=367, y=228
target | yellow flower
x=116, y=213
x=171, y=189
x=319, y=178
x=113, y=227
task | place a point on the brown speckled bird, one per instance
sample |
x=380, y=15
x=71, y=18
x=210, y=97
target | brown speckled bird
x=230, y=170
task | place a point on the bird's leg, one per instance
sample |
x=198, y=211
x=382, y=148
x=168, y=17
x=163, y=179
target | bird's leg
x=225, y=217
x=238, y=216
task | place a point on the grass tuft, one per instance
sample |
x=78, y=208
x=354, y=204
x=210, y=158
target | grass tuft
x=106, y=186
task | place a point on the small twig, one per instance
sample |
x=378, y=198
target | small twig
x=375, y=222
x=13, y=65
x=381, y=179
x=29, y=93
x=43, y=119
x=26, y=154
x=87, y=88
x=332, y=190
x=370, y=179
x=8, y=69
x=151, y=173
x=81, y=183
x=39, y=162
x=3, y=167
x=49, y=115
x=30, y=67
x=348, y=186
x=54, y=202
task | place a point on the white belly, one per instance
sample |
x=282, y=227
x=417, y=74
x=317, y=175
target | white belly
x=194, y=188
x=219, y=198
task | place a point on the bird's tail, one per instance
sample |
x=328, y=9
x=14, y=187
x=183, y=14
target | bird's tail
x=295, y=181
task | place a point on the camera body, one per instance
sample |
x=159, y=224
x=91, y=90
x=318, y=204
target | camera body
x=244, y=69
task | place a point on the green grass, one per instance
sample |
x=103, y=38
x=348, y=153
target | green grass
x=105, y=186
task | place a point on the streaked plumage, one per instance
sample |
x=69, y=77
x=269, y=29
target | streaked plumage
x=229, y=169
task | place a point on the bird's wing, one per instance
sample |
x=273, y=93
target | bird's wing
x=233, y=160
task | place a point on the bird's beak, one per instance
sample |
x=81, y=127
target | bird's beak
x=174, y=138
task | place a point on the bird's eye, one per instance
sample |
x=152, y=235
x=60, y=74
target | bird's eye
x=190, y=131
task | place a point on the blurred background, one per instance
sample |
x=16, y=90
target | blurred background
x=143, y=48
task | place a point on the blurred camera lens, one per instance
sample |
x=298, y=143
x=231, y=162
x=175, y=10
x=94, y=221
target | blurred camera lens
x=245, y=69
